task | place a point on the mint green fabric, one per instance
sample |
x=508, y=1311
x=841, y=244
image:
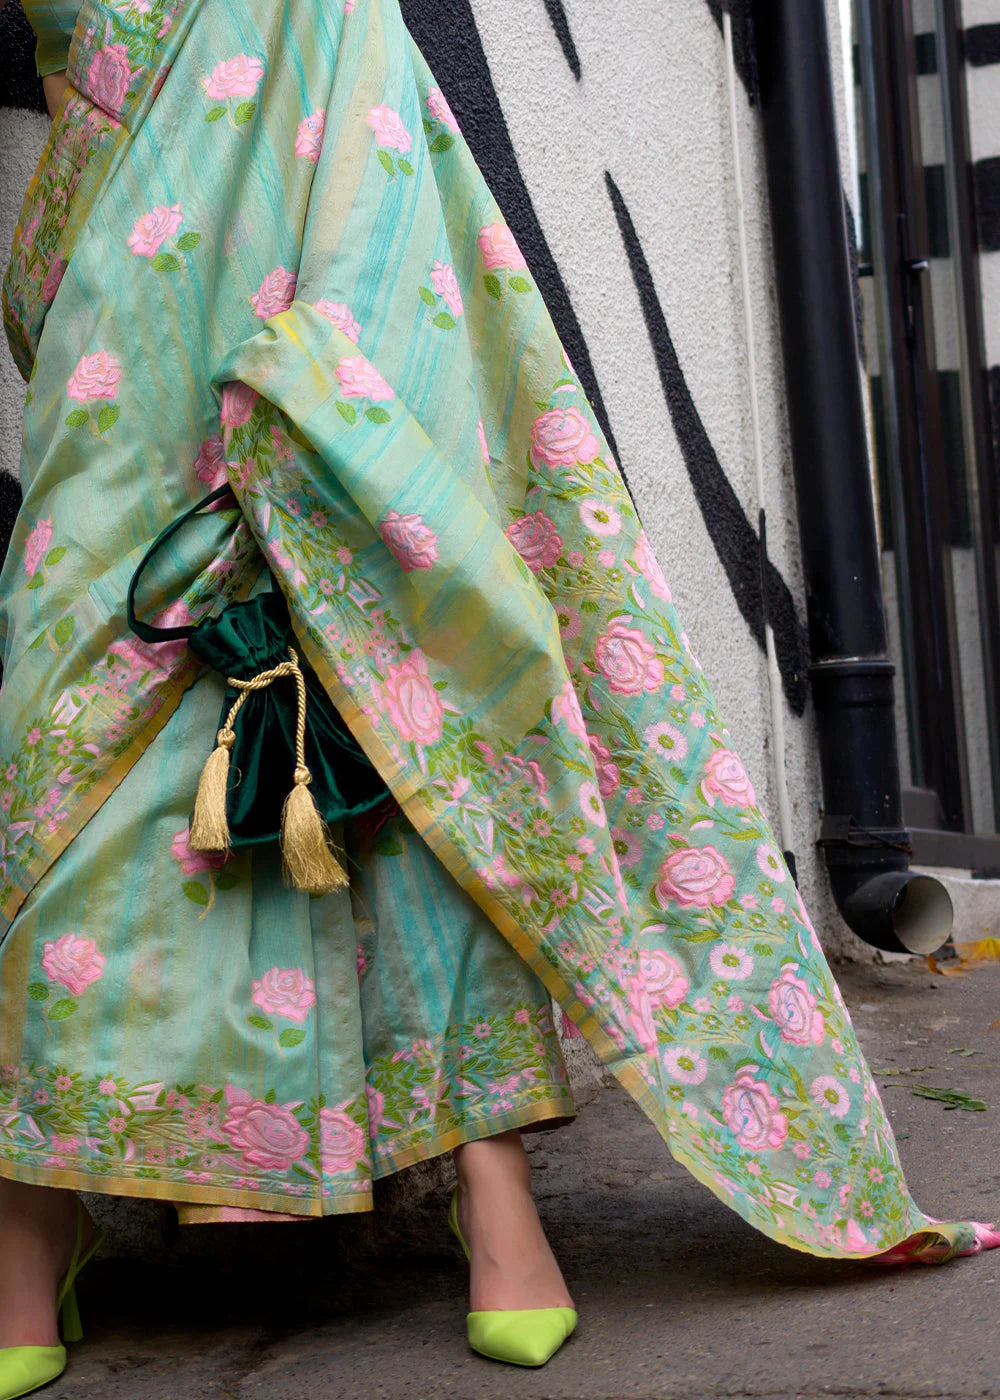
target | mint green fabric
x=53, y=22
x=276, y=206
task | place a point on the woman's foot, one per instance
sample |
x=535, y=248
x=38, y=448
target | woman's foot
x=512, y=1265
x=37, y=1237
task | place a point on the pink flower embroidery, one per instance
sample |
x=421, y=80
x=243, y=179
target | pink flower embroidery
x=234, y=77
x=446, y=285
x=591, y=805
x=794, y=1009
x=828, y=1093
x=309, y=140
x=96, y=376
x=694, y=877
x=414, y=705
x=285, y=991
x=499, y=249
x=191, y=862
x=267, y=1134
x=210, y=463
x=412, y=543
x=437, y=105
x=729, y=961
x=641, y=1014
x=341, y=1142
x=726, y=777
x=608, y=773
x=535, y=539
x=389, y=129
x=666, y=740
x=148, y=232
x=53, y=280
x=687, y=1066
x=627, y=661
x=665, y=983
x=481, y=430
x=599, y=518
x=562, y=437
x=275, y=294
x=360, y=379
x=36, y=546
x=238, y=401
x=772, y=867
x=73, y=962
x=340, y=316
x=650, y=569
x=566, y=710
x=108, y=78
x=751, y=1111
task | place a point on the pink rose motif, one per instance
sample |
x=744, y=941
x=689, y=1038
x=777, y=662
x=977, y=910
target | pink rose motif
x=238, y=401
x=694, y=877
x=72, y=962
x=666, y=985
x=341, y=1142
x=376, y=1108
x=96, y=376
x=267, y=1134
x=412, y=543
x=562, y=437
x=234, y=77
x=627, y=661
x=108, y=78
x=210, y=463
x=437, y=105
x=481, y=430
x=389, y=129
x=284, y=991
x=751, y=1111
x=499, y=249
x=535, y=539
x=309, y=141
x=566, y=710
x=340, y=316
x=446, y=285
x=36, y=546
x=148, y=232
x=414, y=705
x=641, y=1014
x=608, y=773
x=53, y=280
x=649, y=567
x=191, y=862
x=275, y=294
x=726, y=777
x=360, y=379
x=794, y=1009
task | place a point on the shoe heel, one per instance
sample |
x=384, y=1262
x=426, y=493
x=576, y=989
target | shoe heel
x=72, y=1331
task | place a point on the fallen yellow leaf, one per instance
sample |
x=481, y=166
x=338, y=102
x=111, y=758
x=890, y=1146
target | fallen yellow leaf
x=983, y=950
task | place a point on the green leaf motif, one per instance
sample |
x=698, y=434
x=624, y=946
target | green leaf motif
x=62, y=1009
x=63, y=630
x=377, y=415
x=215, y=114
x=41, y=636
x=387, y=163
x=427, y=295
x=55, y=555
x=346, y=412
x=444, y=321
x=188, y=240
x=444, y=142
x=290, y=1038
x=260, y=1023
x=165, y=262
x=387, y=844
x=195, y=891
x=406, y=167
x=520, y=284
x=226, y=880
x=78, y=418
x=108, y=417
x=494, y=286
x=718, y=1052
x=244, y=112
x=37, y=582
x=38, y=991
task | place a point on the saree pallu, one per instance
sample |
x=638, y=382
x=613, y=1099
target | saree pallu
x=259, y=251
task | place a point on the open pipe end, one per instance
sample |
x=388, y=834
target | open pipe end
x=898, y=911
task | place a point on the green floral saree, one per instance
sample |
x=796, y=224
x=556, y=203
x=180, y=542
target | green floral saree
x=258, y=251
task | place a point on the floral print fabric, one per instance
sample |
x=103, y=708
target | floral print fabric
x=366, y=360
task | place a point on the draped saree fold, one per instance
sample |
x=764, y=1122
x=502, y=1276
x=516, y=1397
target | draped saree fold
x=259, y=251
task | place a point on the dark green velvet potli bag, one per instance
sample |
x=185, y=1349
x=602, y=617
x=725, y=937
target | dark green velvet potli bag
x=278, y=730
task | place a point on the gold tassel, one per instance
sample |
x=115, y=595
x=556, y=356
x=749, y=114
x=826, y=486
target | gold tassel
x=309, y=862
x=209, y=826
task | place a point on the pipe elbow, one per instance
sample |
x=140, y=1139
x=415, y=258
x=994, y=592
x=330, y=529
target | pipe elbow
x=898, y=911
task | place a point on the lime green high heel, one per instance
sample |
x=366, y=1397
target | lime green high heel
x=526, y=1337
x=23, y=1369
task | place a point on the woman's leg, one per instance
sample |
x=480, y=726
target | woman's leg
x=37, y=1236
x=512, y=1265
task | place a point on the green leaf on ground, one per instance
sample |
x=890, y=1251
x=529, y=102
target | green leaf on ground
x=951, y=1098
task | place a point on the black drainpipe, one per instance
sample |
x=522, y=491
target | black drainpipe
x=866, y=845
